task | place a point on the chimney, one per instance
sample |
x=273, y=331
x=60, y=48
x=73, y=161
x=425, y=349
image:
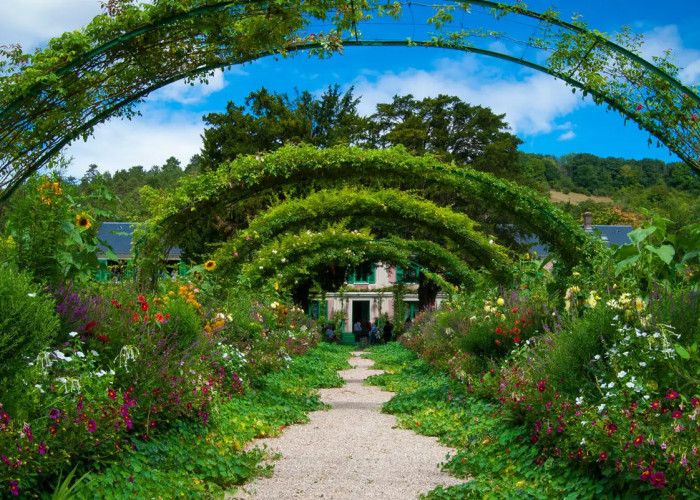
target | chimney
x=588, y=222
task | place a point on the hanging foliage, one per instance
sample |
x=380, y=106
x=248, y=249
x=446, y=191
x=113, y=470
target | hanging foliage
x=82, y=78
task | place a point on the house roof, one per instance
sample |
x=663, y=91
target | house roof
x=118, y=236
x=611, y=235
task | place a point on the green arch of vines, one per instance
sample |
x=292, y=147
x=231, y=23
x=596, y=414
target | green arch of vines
x=306, y=165
x=333, y=205
x=83, y=78
x=290, y=254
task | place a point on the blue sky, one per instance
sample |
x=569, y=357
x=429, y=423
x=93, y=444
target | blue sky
x=541, y=111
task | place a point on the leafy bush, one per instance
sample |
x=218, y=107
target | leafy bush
x=28, y=322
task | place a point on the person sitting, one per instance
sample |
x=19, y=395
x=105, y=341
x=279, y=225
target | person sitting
x=330, y=334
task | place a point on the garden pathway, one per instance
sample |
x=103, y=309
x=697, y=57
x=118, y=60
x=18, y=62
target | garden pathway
x=352, y=450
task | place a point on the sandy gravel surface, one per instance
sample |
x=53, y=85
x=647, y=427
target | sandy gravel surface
x=352, y=451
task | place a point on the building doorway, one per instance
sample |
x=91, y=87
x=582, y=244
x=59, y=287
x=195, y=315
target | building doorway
x=360, y=311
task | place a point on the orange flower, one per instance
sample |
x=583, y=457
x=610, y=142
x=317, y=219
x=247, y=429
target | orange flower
x=83, y=221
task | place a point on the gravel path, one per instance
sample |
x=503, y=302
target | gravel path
x=352, y=451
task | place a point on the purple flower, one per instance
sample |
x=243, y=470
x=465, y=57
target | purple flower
x=54, y=413
x=91, y=426
x=14, y=487
x=658, y=479
x=41, y=448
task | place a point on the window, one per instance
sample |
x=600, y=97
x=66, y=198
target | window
x=409, y=275
x=364, y=273
x=318, y=310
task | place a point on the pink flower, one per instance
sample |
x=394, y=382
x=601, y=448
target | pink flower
x=541, y=385
x=677, y=414
x=671, y=394
x=91, y=426
x=14, y=487
x=639, y=106
x=658, y=480
x=41, y=448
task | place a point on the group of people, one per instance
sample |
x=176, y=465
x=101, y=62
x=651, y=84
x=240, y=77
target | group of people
x=367, y=333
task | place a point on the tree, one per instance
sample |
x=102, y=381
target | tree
x=449, y=128
x=268, y=121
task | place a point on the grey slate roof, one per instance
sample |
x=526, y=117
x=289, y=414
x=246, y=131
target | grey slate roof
x=121, y=244
x=611, y=235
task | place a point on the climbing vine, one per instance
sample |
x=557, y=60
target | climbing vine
x=293, y=254
x=403, y=209
x=80, y=79
x=309, y=168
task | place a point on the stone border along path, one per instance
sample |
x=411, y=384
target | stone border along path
x=352, y=450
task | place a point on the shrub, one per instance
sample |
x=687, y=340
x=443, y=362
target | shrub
x=28, y=322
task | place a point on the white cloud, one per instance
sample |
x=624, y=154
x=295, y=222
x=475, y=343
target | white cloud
x=32, y=22
x=662, y=38
x=186, y=93
x=145, y=140
x=567, y=136
x=532, y=102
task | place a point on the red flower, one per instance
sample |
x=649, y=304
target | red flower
x=602, y=456
x=638, y=440
x=152, y=424
x=499, y=331
x=695, y=402
x=514, y=310
x=135, y=318
x=144, y=306
x=694, y=117
x=639, y=106
x=646, y=474
x=516, y=340
x=671, y=394
x=159, y=317
x=658, y=480
x=655, y=405
x=111, y=394
x=498, y=342
x=91, y=426
x=677, y=414
x=541, y=385
x=142, y=298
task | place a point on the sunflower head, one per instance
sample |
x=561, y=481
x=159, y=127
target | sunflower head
x=83, y=221
x=210, y=265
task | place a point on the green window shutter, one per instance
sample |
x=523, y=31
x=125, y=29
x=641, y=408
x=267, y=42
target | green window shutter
x=182, y=269
x=399, y=274
x=372, y=274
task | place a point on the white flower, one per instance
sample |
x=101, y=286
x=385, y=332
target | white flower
x=283, y=260
x=100, y=373
x=274, y=251
x=80, y=354
x=584, y=422
x=626, y=353
x=601, y=408
x=94, y=353
x=73, y=334
x=62, y=380
x=630, y=385
x=621, y=374
x=31, y=295
x=583, y=441
x=39, y=387
x=579, y=400
x=611, y=385
x=642, y=364
x=596, y=357
x=260, y=267
x=657, y=335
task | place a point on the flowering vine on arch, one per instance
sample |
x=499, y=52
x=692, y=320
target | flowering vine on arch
x=60, y=93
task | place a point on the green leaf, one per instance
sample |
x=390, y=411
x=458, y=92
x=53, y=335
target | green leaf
x=641, y=234
x=665, y=252
x=625, y=263
x=682, y=351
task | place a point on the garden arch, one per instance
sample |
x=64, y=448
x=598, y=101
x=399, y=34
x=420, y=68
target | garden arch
x=81, y=79
x=332, y=205
x=393, y=167
x=291, y=254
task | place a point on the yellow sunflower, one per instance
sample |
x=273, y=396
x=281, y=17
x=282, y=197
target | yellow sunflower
x=83, y=221
x=210, y=265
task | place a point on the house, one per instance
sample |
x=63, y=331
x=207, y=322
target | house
x=368, y=293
